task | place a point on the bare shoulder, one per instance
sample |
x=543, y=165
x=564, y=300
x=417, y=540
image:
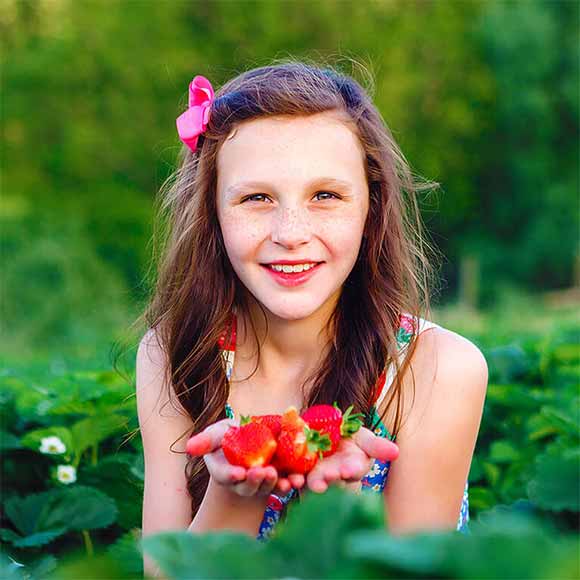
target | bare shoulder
x=442, y=351
x=443, y=364
x=448, y=373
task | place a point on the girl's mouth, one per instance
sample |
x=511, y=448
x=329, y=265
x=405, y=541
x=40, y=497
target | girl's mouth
x=290, y=279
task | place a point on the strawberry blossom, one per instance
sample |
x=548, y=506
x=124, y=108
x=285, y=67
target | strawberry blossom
x=52, y=445
x=66, y=474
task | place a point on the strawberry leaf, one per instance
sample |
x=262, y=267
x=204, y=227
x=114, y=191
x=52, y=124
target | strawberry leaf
x=351, y=423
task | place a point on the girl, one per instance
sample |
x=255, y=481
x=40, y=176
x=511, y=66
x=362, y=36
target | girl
x=295, y=273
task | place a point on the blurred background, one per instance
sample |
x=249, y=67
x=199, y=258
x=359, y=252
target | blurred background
x=482, y=97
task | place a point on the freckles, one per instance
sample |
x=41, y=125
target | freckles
x=242, y=230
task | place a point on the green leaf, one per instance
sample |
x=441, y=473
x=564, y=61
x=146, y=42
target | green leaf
x=93, y=430
x=492, y=473
x=507, y=363
x=503, y=544
x=475, y=470
x=420, y=554
x=186, y=556
x=481, y=498
x=33, y=439
x=321, y=550
x=567, y=353
x=60, y=510
x=539, y=427
x=503, y=451
x=114, y=476
x=40, y=538
x=23, y=512
x=9, y=441
x=557, y=481
x=561, y=420
x=40, y=568
x=8, y=535
x=127, y=552
x=80, y=508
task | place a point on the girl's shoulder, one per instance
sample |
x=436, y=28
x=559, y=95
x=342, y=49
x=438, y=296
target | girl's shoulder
x=409, y=326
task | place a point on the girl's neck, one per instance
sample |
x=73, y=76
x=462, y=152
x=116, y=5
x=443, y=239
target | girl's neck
x=289, y=348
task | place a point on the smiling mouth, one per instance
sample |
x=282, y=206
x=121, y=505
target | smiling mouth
x=311, y=266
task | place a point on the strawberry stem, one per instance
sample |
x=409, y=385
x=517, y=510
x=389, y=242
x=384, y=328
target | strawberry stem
x=350, y=422
x=317, y=442
x=245, y=419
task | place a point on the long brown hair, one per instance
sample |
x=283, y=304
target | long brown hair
x=196, y=289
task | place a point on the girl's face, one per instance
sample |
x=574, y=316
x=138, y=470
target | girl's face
x=292, y=188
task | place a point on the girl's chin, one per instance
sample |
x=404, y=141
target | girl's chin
x=288, y=310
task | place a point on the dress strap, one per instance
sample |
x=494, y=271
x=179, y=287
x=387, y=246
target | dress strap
x=408, y=326
x=229, y=350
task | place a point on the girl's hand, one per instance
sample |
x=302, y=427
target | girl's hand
x=257, y=481
x=351, y=461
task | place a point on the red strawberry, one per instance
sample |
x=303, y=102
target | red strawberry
x=273, y=422
x=299, y=447
x=329, y=420
x=249, y=445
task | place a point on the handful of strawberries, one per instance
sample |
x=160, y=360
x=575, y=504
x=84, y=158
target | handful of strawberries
x=291, y=443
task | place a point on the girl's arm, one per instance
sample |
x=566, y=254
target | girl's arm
x=166, y=501
x=437, y=439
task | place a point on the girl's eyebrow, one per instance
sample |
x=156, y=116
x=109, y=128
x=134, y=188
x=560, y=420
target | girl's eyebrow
x=316, y=182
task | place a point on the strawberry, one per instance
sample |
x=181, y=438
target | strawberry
x=249, y=445
x=329, y=420
x=299, y=447
x=273, y=422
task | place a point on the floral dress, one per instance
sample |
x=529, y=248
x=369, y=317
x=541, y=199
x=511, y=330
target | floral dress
x=376, y=478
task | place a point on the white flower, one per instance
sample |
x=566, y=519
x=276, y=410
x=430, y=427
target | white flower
x=66, y=474
x=52, y=445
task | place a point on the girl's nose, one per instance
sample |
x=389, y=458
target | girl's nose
x=291, y=227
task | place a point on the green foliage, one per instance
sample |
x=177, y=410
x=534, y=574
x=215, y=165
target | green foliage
x=216, y=555
x=555, y=483
x=522, y=493
x=76, y=211
x=352, y=543
x=40, y=518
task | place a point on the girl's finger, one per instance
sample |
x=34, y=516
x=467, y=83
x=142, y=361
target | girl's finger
x=252, y=483
x=221, y=470
x=210, y=439
x=353, y=472
x=283, y=486
x=297, y=480
x=332, y=474
x=269, y=482
x=318, y=486
x=375, y=446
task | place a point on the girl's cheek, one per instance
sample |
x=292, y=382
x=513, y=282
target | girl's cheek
x=342, y=234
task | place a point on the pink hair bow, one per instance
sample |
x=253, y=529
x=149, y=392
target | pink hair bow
x=192, y=123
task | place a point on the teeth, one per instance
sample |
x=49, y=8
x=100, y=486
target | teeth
x=289, y=269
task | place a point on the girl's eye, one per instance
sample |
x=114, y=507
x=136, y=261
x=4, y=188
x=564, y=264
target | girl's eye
x=251, y=197
x=329, y=193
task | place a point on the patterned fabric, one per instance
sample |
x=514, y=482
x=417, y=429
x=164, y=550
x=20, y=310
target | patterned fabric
x=376, y=478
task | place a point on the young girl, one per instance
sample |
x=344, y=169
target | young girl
x=295, y=273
